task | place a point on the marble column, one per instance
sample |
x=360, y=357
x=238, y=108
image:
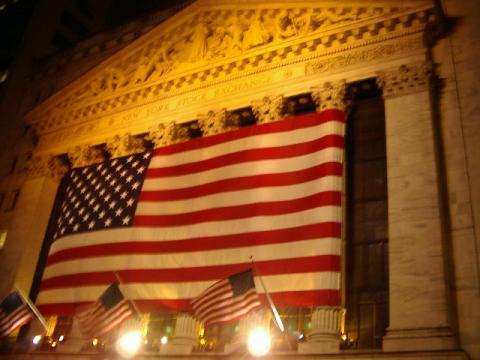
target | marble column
x=31, y=217
x=324, y=336
x=418, y=300
x=185, y=336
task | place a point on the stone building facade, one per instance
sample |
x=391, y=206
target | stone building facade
x=231, y=55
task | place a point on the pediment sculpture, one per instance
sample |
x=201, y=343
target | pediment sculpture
x=212, y=35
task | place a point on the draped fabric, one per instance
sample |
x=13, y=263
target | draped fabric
x=174, y=222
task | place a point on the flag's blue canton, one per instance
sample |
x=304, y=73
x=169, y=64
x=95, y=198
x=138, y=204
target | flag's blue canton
x=111, y=297
x=102, y=196
x=241, y=282
x=11, y=303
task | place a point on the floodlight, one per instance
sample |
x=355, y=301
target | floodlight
x=129, y=343
x=259, y=342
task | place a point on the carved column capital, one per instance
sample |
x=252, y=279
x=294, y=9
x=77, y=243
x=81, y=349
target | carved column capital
x=123, y=145
x=268, y=109
x=331, y=95
x=167, y=134
x=405, y=79
x=46, y=166
x=216, y=122
x=84, y=155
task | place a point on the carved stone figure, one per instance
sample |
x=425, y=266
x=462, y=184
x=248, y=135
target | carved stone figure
x=256, y=34
x=197, y=48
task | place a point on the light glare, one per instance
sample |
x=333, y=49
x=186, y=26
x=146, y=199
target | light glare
x=129, y=343
x=36, y=339
x=164, y=340
x=259, y=342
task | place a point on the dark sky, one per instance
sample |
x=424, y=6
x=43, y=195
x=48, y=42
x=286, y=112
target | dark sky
x=15, y=15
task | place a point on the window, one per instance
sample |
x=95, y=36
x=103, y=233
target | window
x=3, y=238
x=12, y=200
x=366, y=224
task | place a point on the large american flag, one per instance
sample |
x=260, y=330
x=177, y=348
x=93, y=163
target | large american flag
x=174, y=222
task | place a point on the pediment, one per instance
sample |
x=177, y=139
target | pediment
x=213, y=40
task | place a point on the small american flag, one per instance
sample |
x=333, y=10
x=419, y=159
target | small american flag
x=108, y=312
x=13, y=314
x=227, y=299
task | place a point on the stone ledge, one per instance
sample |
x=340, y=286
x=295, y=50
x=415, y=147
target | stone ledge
x=377, y=355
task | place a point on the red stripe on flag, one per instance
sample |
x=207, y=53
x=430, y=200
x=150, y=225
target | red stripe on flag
x=266, y=153
x=241, y=211
x=299, y=233
x=245, y=183
x=272, y=267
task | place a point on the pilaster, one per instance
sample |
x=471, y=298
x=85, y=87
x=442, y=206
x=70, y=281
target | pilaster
x=31, y=216
x=418, y=301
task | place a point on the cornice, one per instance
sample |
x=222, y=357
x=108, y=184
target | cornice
x=71, y=107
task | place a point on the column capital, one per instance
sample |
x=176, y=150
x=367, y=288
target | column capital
x=216, y=122
x=405, y=79
x=268, y=109
x=331, y=94
x=123, y=145
x=46, y=166
x=165, y=134
x=84, y=155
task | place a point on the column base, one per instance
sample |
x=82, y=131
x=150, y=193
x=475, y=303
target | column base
x=320, y=344
x=178, y=346
x=419, y=339
x=71, y=346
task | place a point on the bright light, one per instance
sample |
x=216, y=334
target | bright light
x=259, y=342
x=129, y=343
x=164, y=340
x=95, y=342
x=61, y=338
x=36, y=339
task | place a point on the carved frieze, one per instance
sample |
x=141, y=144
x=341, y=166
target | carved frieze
x=331, y=95
x=268, y=109
x=371, y=53
x=85, y=155
x=216, y=122
x=46, y=166
x=405, y=79
x=167, y=134
x=123, y=145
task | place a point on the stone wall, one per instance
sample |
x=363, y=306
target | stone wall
x=456, y=56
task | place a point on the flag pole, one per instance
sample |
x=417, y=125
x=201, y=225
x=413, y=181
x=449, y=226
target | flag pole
x=135, y=308
x=276, y=315
x=33, y=308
